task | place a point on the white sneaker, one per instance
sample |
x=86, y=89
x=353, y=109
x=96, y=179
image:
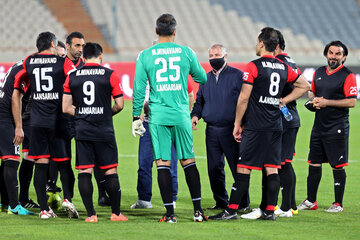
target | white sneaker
x=254, y=214
x=335, y=208
x=307, y=205
x=70, y=209
x=281, y=213
x=47, y=214
x=141, y=204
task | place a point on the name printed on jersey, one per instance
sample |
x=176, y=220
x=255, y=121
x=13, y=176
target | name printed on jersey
x=168, y=87
x=165, y=51
x=269, y=100
x=46, y=96
x=42, y=60
x=273, y=65
x=93, y=71
x=91, y=110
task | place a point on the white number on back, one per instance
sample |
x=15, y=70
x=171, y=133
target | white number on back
x=40, y=76
x=164, y=69
x=89, y=91
x=274, y=83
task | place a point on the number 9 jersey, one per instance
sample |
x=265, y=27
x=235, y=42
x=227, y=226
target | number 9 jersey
x=268, y=75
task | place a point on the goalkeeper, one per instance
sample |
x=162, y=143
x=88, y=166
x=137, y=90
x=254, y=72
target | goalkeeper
x=167, y=66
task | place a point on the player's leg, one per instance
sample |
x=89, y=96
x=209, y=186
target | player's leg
x=103, y=199
x=52, y=177
x=3, y=191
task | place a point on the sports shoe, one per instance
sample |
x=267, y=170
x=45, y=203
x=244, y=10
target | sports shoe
x=171, y=219
x=199, y=216
x=91, y=219
x=29, y=204
x=281, y=213
x=47, y=214
x=19, y=210
x=254, y=214
x=334, y=208
x=224, y=215
x=276, y=207
x=51, y=187
x=117, y=218
x=307, y=205
x=244, y=209
x=104, y=201
x=70, y=209
x=142, y=204
x=265, y=216
x=216, y=207
x=296, y=211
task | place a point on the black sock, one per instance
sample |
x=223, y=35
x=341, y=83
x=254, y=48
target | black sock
x=313, y=181
x=339, y=184
x=40, y=179
x=113, y=188
x=86, y=192
x=3, y=191
x=293, y=199
x=263, y=203
x=11, y=181
x=193, y=181
x=67, y=179
x=273, y=185
x=165, y=186
x=286, y=183
x=53, y=172
x=238, y=190
x=25, y=176
x=100, y=180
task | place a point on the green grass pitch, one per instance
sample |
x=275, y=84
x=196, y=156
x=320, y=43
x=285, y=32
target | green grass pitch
x=143, y=224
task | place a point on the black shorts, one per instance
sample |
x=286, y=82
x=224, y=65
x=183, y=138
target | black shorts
x=26, y=141
x=7, y=148
x=89, y=154
x=331, y=148
x=45, y=143
x=288, y=144
x=260, y=149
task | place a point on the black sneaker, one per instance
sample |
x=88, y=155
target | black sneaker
x=104, y=201
x=216, y=207
x=29, y=204
x=244, y=209
x=224, y=215
x=171, y=219
x=267, y=216
x=199, y=216
x=53, y=188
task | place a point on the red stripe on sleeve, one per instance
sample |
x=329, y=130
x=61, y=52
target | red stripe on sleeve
x=313, y=84
x=68, y=66
x=66, y=86
x=116, y=85
x=350, y=88
x=21, y=81
x=250, y=73
x=292, y=75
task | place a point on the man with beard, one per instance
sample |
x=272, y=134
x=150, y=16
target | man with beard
x=333, y=92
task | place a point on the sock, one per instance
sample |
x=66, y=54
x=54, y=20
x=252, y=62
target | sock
x=165, y=186
x=238, y=190
x=100, y=180
x=263, y=190
x=339, y=184
x=40, y=179
x=113, y=188
x=313, y=181
x=273, y=185
x=286, y=183
x=86, y=192
x=293, y=199
x=193, y=181
x=53, y=172
x=11, y=181
x=25, y=176
x=67, y=179
x=3, y=191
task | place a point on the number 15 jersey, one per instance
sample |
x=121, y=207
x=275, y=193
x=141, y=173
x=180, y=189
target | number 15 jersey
x=268, y=75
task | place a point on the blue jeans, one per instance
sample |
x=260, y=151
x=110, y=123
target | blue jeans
x=144, y=184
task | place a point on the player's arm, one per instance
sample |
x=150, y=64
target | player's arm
x=197, y=109
x=301, y=87
x=191, y=99
x=241, y=107
x=116, y=93
x=140, y=82
x=67, y=105
x=118, y=106
x=196, y=70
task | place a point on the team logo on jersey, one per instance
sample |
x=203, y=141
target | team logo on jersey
x=318, y=79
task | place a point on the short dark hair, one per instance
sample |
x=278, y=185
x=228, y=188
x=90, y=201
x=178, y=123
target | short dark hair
x=61, y=44
x=269, y=37
x=92, y=50
x=281, y=40
x=165, y=25
x=74, y=35
x=44, y=40
x=336, y=43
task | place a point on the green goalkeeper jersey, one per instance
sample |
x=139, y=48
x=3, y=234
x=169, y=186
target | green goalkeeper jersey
x=166, y=66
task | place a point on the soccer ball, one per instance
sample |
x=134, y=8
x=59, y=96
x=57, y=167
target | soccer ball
x=54, y=201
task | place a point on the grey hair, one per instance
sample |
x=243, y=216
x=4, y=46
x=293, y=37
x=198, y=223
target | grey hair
x=218, y=45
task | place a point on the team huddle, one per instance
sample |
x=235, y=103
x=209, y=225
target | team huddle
x=55, y=95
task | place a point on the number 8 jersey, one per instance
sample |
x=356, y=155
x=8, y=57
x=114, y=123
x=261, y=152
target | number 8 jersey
x=268, y=76
x=46, y=74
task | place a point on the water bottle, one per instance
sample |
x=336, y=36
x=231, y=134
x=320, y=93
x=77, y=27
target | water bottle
x=287, y=115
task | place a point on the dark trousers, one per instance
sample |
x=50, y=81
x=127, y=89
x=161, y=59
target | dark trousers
x=144, y=184
x=219, y=143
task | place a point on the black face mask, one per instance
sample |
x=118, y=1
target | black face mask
x=217, y=63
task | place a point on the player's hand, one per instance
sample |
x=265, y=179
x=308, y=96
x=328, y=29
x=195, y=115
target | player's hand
x=194, y=122
x=19, y=136
x=138, y=128
x=319, y=102
x=237, y=132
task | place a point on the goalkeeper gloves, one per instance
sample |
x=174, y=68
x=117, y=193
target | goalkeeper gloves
x=137, y=127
